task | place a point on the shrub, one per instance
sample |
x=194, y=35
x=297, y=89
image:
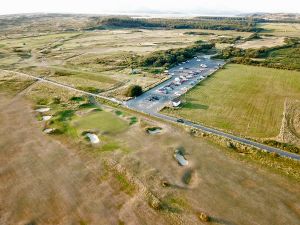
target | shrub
x=65, y=115
x=133, y=120
x=187, y=176
x=134, y=91
x=56, y=100
x=203, y=217
x=77, y=98
x=118, y=113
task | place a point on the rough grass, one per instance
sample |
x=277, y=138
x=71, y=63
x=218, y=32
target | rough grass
x=125, y=185
x=96, y=59
x=281, y=29
x=13, y=86
x=264, y=42
x=242, y=99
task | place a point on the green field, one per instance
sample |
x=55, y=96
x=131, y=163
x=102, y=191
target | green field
x=102, y=121
x=244, y=100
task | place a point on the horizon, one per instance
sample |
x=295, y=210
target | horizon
x=142, y=7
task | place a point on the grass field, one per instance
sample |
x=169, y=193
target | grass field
x=281, y=29
x=71, y=172
x=242, y=99
x=263, y=42
x=105, y=122
x=97, y=59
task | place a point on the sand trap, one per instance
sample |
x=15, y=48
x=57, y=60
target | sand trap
x=49, y=130
x=42, y=110
x=154, y=130
x=181, y=160
x=93, y=138
x=179, y=156
x=45, y=118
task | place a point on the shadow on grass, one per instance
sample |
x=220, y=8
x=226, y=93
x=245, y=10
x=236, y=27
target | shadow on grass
x=189, y=105
x=220, y=221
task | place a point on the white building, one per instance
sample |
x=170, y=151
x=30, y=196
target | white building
x=176, y=102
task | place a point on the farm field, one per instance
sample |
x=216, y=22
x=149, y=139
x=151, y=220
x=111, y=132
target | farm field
x=244, y=100
x=73, y=174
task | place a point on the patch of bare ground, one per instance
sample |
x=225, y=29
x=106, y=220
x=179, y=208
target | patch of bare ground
x=44, y=182
x=290, y=126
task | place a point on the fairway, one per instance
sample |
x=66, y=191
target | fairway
x=244, y=100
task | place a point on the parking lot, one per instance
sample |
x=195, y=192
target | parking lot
x=182, y=78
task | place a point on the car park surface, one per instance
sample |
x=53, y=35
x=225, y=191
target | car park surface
x=183, y=77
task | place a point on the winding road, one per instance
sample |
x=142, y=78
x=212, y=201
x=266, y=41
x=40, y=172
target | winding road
x=167, y=118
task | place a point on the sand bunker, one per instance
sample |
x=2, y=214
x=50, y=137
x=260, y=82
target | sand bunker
x=41, y=110
x=154, y=130
x=180, y=158
x=49, y=130
x=45, y=118
x=93, y=138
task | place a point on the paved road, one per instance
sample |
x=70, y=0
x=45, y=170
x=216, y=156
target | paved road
x=230, y=136
x=174, y=119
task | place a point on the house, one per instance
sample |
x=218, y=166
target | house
x=176, y=102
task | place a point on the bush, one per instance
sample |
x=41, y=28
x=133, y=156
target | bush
x=170, y=57
x=133, y=120
x=203, y=217
x=56, y=100
x=279, y=57
x=65, y=115
x=77, y=98
x=134, y=91
x=187, y=176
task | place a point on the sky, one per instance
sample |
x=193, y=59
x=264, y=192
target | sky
x=211, y=7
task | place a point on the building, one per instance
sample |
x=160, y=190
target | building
x=176, y=102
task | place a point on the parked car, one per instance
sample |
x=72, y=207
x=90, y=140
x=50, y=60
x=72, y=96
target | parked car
x=180, y=120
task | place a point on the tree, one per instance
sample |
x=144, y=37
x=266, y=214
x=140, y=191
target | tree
x=134, y=91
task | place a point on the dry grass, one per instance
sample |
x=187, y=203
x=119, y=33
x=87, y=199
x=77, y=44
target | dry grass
x=50, y=183
x=282, y=29
x=245, y=100
x=264, y=42
x=95, y=59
